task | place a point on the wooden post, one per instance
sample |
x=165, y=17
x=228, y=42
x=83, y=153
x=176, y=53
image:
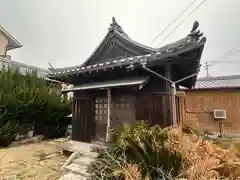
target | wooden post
x=168, y=90
x=220, y=123
x=174, y=107
x=181, y=95
x=108, y=115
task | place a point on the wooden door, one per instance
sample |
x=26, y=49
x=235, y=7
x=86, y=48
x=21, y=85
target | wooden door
x=142, y=108
x=150, y=108
x=157, y=110
x=83, y=122
x=100, y=118
x=123, y=110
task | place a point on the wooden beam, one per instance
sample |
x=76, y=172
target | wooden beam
x=180, y=94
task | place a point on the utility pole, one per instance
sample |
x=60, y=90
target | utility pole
x=207, y=68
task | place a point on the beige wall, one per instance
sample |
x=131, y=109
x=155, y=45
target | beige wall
x=198, y=106
x=3, y=44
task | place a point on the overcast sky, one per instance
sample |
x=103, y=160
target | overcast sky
x=65, y=32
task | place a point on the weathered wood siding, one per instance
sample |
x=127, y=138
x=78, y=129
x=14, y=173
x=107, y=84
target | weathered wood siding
x=83, y=125
x=90, y=113
x=153, y=109
x=197, y=109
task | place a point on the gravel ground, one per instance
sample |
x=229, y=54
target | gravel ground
x=39, y=161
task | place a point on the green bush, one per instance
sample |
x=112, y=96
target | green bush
x=27, y=99
x=138, y=144
x=7, y=128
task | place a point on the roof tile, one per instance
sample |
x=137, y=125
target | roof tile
x=232, y=81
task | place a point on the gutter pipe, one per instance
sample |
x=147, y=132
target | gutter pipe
x=173, y=86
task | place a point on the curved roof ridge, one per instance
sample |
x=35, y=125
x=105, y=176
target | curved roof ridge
x=115, y=27
x=137, y=43
x=195, y=36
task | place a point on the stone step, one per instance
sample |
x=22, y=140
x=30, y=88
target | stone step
x=90, y=154
x=81, y=147
x=72, y=176
x=83, y=160
x=78, y=169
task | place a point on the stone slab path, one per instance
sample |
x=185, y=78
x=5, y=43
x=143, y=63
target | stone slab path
x=75, y=167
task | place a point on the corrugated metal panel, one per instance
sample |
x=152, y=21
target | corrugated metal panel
x=110, y=84
x=218, y=82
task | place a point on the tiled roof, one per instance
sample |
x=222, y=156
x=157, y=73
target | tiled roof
x=126, y=61
x=117, y=29
x=126, y=37
x=232, y=81
x=191, y=41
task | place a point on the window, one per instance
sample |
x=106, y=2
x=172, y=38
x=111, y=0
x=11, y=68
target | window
x=122, y=103
x=101, y=110
x=23, y=70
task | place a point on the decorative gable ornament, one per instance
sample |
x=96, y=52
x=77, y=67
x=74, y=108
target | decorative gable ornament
x=115, y=26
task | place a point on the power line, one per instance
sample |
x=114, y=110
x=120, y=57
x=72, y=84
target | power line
x=226, y=54
x=172, y=22
x=220, y=60
x=230, y=62
x=181, y=22
x=207, y=65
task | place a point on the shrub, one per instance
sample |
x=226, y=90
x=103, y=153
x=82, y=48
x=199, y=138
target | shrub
x=27, y=99
x=142, y=145
x=7, y=128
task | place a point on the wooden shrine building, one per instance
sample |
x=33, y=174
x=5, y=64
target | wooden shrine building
x=124, y=81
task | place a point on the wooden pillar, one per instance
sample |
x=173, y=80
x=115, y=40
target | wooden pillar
x=74, y=115
x=182, y=111
x=174, y=105
x=177, y=105
x=181, y=95
x=168, y=89
x=108, y=115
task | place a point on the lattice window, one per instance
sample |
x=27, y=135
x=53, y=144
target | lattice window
x=101, y=108
x=23, y=70
x=1, y=65
x=123, y=103
x=4, y=66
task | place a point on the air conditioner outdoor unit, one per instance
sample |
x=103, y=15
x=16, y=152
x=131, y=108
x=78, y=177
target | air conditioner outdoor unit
x=220, y=114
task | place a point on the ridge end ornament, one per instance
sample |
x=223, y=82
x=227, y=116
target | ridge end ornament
x=195, y=32
x=115, y=26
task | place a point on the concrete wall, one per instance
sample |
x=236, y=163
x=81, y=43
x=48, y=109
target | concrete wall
x=197, y=109
x=3, y=44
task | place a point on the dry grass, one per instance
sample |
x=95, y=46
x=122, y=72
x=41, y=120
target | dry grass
x=39, y=161
x=203, y=159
